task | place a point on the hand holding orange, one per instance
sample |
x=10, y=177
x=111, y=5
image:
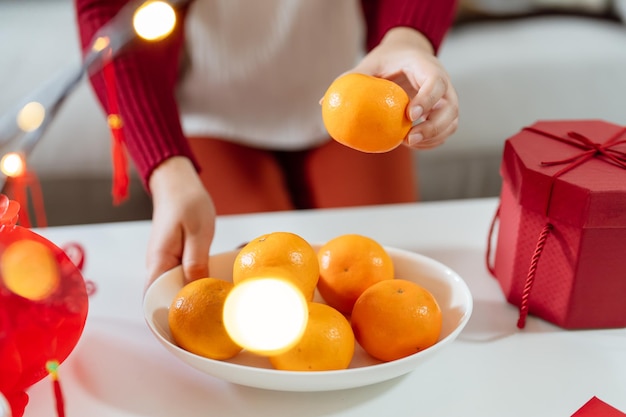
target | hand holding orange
x=366, y=113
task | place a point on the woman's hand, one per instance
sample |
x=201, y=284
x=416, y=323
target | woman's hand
x=406, y=57
x=183, y=221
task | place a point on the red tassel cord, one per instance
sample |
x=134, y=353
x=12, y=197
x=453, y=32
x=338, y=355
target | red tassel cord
x=52, y=367
x=120, y=159
x=17, y=191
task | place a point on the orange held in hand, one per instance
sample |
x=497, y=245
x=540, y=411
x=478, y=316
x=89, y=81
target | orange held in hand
x=366, y=113
x=195, y=319
x=327, y=344
x=396, y=318
x=279, y=255
x=349, y=264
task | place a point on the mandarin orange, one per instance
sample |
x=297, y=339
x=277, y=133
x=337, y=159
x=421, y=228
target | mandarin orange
x=195, y=319
x=396, y=318
x=349, y=264
x=327, y=343
x=366, y=113
x=279, y=255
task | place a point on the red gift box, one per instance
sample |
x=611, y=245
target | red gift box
x=561, y=245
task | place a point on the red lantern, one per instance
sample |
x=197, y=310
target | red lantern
x=43, y=307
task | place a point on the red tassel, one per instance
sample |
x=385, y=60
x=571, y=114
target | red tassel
x=19, y=194
x=58, y=396
x=18, y=188
x=37, y=198
x=120, y=160
x=52, y=367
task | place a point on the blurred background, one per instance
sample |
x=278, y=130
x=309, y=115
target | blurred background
x=513, y=62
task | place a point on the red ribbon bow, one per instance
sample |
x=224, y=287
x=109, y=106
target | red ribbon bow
x=590, y=149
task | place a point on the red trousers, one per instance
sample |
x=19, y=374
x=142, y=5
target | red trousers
x=241, y=179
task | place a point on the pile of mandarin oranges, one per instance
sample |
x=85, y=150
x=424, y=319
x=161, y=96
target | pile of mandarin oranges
x=361, y=301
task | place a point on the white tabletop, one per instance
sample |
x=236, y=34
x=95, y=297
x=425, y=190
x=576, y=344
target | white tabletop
x=119, y=369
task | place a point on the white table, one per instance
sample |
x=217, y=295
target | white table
x=119, y=369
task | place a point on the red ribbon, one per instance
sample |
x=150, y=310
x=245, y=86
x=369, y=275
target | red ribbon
x=591, y=149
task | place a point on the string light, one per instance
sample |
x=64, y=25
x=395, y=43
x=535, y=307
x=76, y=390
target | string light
x=31, y=116
x=26, y=123
x=12, y=165
x=154, y=20
x=100, y=43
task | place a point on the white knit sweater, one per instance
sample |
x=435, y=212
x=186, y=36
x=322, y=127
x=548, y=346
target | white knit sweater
x=258, y=68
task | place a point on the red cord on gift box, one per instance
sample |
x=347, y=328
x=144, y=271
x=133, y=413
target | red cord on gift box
x=492, y=228
x=530, y=278
x=532, y=270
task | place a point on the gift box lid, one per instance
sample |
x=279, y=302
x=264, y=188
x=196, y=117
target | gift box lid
x=572, y=170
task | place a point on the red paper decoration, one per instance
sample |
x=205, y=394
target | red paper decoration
x=43, y=307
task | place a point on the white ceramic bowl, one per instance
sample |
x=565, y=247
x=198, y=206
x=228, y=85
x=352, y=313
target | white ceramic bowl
x=248, y=369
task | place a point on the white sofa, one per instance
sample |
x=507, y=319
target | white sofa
x=509, y=72
x=516, y=62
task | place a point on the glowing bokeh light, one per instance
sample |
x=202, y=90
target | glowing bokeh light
x=31, y=116
x=154, y=20
x=29, y=269
x=100, y=43
x=266, y=315
x=12, y=165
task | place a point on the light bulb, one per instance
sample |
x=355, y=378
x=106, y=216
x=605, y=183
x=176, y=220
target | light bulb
x=154, y=20
x=31, y=116
x=266, y=316
x=100, y=43
x=12, y=165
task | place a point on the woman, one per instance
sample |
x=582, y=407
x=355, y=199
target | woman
x=223, y=116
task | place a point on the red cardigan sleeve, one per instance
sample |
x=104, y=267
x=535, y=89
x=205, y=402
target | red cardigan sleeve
x=433, y=18
x=146, y=80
